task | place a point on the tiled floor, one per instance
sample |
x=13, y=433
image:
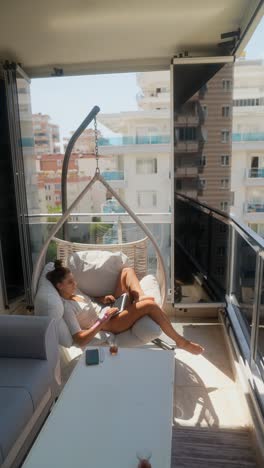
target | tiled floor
x=205, y=392
x=211, y=424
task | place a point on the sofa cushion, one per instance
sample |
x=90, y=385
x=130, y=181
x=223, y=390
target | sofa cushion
x=48, y=302
x=31, y=374
x=151, y=287
x=16, y=409
x=96, y=271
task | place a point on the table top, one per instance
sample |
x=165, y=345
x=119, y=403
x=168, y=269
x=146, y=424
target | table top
x=106, y=413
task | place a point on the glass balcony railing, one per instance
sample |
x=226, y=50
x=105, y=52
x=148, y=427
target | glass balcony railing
x=223, y=260
x=257, y=136
x=255, y=172
x=113, y=175
x=135, y=140
x=104, y=228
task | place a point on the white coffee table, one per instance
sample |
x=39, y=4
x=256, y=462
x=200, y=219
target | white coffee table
x=107, y=412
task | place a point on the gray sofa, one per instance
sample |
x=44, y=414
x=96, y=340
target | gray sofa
x=29, y=381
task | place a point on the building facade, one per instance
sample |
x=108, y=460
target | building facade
x=248, y=144
x=46, y=135
x=202, y=142
x=143, y=149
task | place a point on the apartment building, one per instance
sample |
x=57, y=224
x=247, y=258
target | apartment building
x=80, y=171
x=248, y=144
x=46, y=134
x=143, y=150
x=202, y=142
x=85, y=143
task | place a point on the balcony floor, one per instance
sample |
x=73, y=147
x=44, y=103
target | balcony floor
x=211, y=425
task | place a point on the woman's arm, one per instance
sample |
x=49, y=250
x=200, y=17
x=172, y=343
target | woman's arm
x=109, y=299
x=83, y=337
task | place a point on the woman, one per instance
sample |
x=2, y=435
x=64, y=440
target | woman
x=82, y=313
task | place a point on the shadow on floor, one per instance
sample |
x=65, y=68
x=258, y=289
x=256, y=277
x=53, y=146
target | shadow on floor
x=191, y=397
x=211, y=337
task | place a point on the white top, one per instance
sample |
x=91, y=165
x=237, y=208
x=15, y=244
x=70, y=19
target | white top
x=81, y=315
x=106, y=413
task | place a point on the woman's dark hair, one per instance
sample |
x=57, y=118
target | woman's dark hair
x=58, y=274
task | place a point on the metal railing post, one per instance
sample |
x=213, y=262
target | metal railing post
x=231, y=262
x=256, y=308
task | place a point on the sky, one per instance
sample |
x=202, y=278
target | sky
x=69, y=99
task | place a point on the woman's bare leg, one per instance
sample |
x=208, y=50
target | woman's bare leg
x=128, y=282
x=134, y=312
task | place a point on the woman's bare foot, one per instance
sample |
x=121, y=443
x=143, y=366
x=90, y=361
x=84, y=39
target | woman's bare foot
x=193, y=348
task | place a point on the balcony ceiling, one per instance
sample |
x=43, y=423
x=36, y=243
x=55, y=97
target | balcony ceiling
x=115, y=35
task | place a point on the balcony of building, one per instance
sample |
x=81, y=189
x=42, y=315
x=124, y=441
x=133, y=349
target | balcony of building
x=254, y=177
x=214, y=264
x=187, y=146
x=254, y=212
x=191, y=171
x=212, y=288
x=250, y=136
x=188, y=115
x=135, y=140
x=116, y=178
x=157, y=99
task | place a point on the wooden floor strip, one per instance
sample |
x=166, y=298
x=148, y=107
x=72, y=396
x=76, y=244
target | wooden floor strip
x=214, y=448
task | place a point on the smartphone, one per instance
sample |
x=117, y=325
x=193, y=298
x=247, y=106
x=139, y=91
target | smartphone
x=91, y=357
x=120, y=303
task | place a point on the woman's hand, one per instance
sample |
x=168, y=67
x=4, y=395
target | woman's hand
x=109, y=314
x=109, y=299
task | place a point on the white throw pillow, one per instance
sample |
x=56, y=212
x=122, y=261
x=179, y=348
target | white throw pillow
x=48, y=302
x=96, y=271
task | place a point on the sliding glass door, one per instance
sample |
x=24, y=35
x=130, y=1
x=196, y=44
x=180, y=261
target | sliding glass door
x=18, y=156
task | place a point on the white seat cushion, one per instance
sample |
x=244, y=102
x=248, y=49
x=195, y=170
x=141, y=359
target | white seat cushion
x=48, y=302
x=151, y=287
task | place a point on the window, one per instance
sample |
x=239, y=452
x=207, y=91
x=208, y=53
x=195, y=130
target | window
x=186, y=133
x=59, y=162
x=146, y=166
x=226, y=85
x=224, y=205
x=225, y=136
x=147, y=199
x=226, y=111
x=205, y=111
x=225, y=160
x=248, y=102
x=202, y=183
x=224, y=183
